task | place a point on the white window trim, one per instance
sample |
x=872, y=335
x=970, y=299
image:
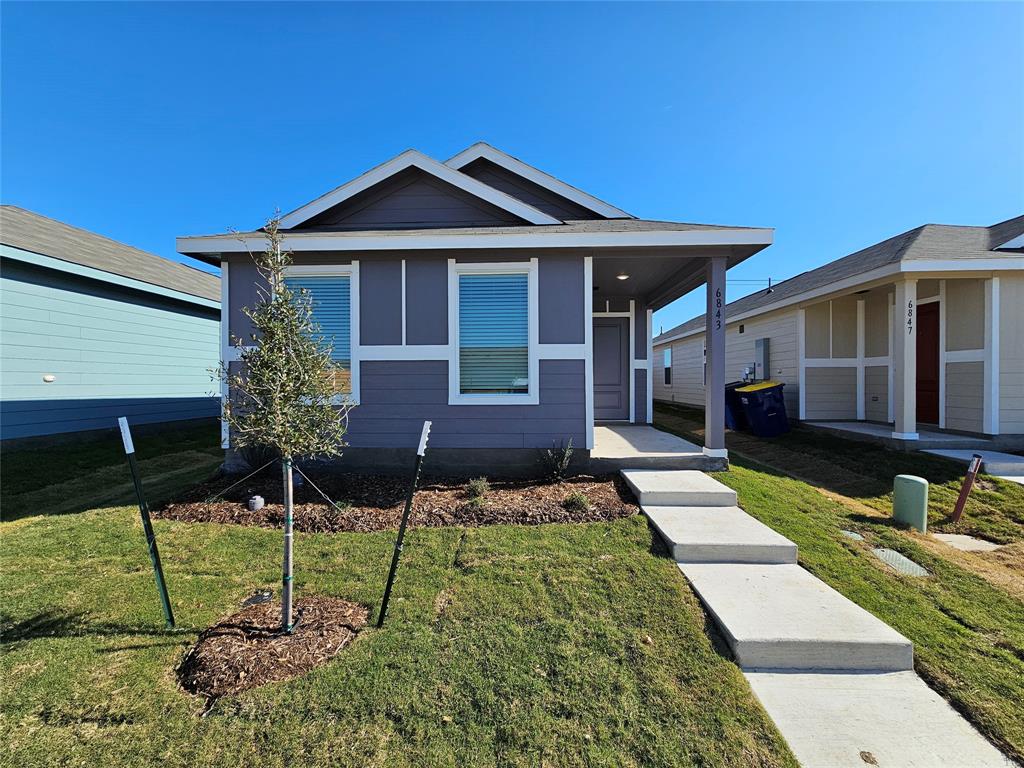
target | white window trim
x=351, y=271
x=225, y=349
x=529, y=268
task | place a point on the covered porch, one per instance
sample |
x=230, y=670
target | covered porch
x=624, y=288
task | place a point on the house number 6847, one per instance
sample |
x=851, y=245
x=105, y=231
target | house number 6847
x=910, y=317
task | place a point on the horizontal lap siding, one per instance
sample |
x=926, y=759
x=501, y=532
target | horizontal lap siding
x=965, y=396
x=113, y=351
x=831, y=393
x=687, y=372
x=397, y=396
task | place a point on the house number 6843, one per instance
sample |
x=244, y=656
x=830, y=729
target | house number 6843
x=718, y=309
x=910, y=317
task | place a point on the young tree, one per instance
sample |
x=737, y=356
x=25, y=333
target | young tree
x=286, y=392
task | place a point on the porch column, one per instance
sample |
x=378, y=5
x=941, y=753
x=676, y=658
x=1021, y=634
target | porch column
x=714, y=339
x=904, y=360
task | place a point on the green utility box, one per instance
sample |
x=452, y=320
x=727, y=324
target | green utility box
x=910, y=501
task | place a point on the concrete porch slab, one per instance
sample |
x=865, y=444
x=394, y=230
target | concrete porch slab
x=851, y=720
x=638, y=446
x=872, y=432
x=678, y=488
x=719, y=535
x=782, y=617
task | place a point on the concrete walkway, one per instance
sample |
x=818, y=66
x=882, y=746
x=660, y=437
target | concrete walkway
x=838, y=682
x=996, y=463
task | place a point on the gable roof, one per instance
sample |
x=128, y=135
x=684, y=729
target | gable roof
x=918, y=247
x=42, y=235
x=412, y=158
x=485, y=151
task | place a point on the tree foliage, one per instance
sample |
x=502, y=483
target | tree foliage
x=286, y=392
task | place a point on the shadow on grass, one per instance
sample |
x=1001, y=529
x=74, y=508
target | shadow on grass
x=59, y=624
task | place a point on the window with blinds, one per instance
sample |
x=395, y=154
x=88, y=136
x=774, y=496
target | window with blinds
x=331, y=300
x=494, y=334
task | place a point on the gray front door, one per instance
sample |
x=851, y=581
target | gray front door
x=611, y=368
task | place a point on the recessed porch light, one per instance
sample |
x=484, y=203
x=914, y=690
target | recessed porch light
x=622, y=276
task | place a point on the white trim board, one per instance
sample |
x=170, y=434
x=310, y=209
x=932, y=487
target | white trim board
x=412, y=158
x=484, y=150
x=871, y=279
x=299, y=242
x=225, y=345
x=588, y=345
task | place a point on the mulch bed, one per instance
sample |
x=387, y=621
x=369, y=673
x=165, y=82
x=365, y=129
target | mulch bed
x=375, y=503
x=249, y=649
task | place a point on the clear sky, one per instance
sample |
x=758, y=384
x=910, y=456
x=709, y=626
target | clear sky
x=837, y=124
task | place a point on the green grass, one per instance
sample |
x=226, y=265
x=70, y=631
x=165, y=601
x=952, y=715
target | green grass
x=968, y=635
x=513, y=646
x=94, y=472
x=864, y=472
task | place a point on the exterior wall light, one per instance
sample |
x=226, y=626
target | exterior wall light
x=622, y=276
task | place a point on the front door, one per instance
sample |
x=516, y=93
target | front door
x=611, y=368
x=928, y=363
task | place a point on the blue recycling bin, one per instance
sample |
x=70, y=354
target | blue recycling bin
x=735, y=418
x=765, y=408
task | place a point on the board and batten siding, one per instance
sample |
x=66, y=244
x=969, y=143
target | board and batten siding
x=397, y=395
x=1011, y=354
x=688, y=359
x=113, y=351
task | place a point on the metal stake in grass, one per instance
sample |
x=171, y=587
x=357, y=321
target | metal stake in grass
x=147, y=525
x=420, y=452
x=965, y=489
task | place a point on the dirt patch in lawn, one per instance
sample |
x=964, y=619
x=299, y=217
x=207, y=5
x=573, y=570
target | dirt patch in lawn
x=375, y=503
x=249, y=649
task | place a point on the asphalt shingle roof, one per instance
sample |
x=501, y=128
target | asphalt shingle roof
x=39, y=234
x=930, y=241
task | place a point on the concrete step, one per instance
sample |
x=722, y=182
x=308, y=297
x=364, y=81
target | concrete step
x=678, y=488
x=719, y=535
x=852, y=720
x=782, y=617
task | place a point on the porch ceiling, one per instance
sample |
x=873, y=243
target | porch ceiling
x=658, y=278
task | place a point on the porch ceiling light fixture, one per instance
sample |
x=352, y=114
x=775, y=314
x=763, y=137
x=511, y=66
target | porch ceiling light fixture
x=622, y=276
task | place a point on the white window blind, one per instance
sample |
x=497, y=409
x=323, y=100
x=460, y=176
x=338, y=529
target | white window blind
x=331, y=301
x=494, y=334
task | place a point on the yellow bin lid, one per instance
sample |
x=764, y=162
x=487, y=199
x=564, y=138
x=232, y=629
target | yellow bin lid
x=762, y=385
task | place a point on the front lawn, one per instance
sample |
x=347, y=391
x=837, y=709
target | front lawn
x=567, y=644
x=968, y=633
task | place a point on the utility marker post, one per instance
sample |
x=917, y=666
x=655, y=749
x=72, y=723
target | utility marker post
x=965, y=489
x=420, y=452
x=147, y=525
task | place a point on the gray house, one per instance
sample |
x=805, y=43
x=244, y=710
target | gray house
x=508, y=307
x=92, y=329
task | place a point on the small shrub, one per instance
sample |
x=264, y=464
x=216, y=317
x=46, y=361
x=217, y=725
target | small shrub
x=576, y=501
x=477, y=488
x=476, y=503
x=555, y=460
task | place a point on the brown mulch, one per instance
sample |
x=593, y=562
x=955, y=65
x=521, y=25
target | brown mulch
x=375, y=503
x=249, y=649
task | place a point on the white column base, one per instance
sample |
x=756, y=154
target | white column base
x=716, y=453
x=905, y=435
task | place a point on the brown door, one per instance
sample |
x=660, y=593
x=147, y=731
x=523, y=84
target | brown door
x=928, y=363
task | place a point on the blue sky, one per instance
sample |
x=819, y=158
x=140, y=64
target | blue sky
x=837, y=124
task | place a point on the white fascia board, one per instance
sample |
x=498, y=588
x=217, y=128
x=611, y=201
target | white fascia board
x=326, y=241
x=408, y=159
x=486, y=151
x=41, y=260
x=999, y=263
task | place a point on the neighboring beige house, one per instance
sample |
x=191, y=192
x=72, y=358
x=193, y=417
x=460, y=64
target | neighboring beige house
x=925, y=328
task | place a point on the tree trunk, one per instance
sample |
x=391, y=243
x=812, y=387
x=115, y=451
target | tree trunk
x=286, y=578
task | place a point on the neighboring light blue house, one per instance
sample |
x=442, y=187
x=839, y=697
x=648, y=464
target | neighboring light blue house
x=506, y=306
x=91, y=329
